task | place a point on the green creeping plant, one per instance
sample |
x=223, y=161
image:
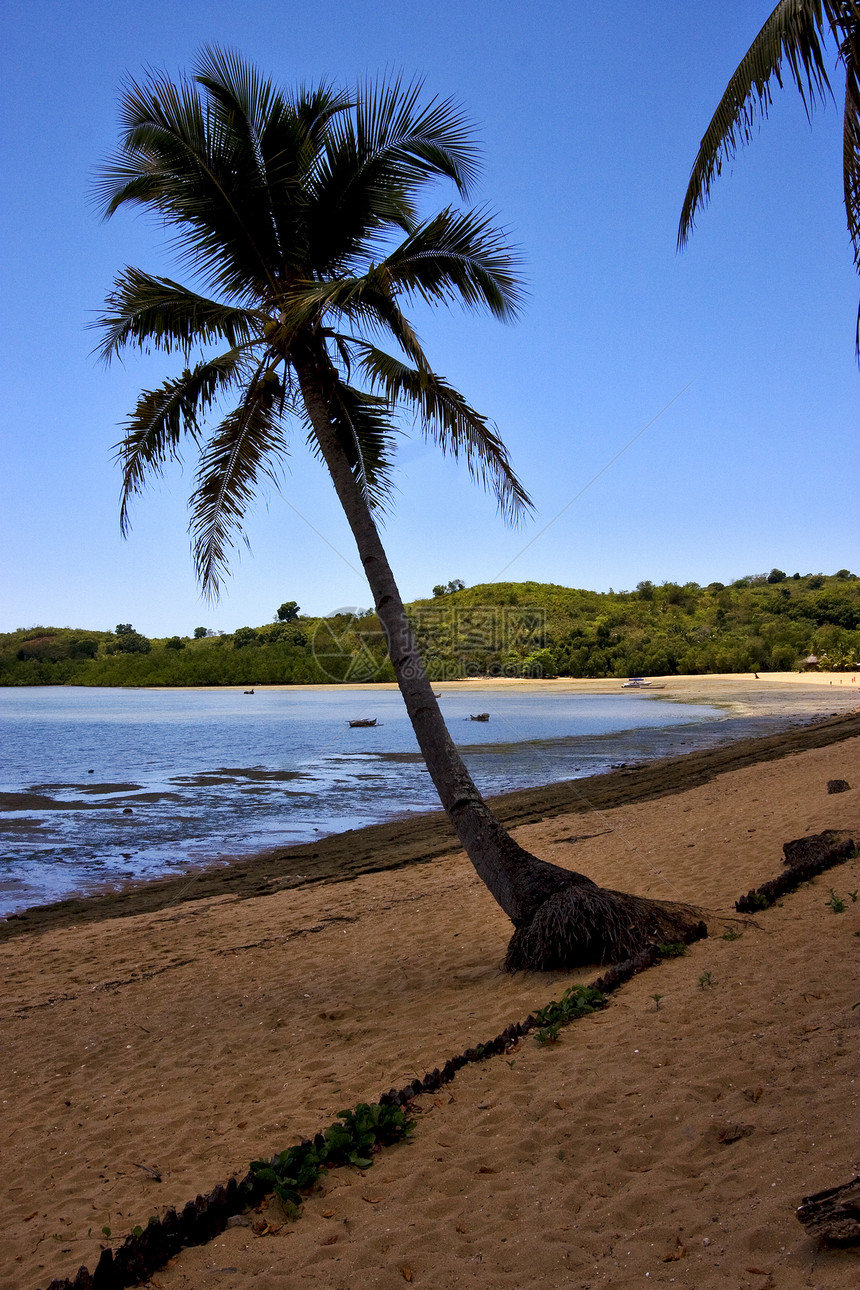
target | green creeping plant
x=577, y=1001
x=352, y=1139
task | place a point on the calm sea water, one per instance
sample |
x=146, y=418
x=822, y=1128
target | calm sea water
x=100, y=786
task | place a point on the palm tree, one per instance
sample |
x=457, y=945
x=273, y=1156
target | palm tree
x=297, y=215
x=793, y=38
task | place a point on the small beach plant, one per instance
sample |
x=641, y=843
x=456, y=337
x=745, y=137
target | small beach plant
x=302, y=218
x=835, y=903
x=577, y=1001
x=353, y=1139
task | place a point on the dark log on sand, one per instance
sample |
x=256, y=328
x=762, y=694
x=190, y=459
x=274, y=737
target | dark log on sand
x=834, y=1215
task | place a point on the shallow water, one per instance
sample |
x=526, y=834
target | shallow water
x=102, y=786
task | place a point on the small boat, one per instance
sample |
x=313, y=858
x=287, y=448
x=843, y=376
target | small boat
x=364, y=721
x=638, y=683
x=481, y=716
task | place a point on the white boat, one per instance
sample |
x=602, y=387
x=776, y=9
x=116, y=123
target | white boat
x=639, y=683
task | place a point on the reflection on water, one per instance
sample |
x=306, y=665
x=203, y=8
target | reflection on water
x=98, y=787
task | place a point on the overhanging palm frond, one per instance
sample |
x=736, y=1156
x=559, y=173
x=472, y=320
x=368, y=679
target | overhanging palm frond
x=791, y=37
x=849, y=50
x=850, y=53
x=162, y=417
x=157, y=312
x=447, y=418
x=244, y=449
x=459, y=256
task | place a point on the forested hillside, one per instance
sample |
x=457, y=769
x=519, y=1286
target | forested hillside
x=762, y=623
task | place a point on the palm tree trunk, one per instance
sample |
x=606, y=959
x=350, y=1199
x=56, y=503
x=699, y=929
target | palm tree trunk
x=519, y=881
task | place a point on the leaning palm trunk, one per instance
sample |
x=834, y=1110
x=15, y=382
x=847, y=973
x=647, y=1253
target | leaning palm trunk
x=283, y=204
x=562, y=918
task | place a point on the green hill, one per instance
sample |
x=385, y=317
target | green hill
x=761, y=623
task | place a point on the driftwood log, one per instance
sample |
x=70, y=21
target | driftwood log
x=823, y=849
x=834, y=1215
x=804, y=858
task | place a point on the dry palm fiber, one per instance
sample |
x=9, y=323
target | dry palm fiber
x=585, y=923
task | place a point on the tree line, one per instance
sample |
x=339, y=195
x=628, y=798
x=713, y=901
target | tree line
x=762, y=623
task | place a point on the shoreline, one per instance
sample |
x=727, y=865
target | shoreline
x=670, y=1136
x=419, y=838
x=685, y=686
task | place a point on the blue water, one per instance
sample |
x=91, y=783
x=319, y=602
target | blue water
x=134, y=784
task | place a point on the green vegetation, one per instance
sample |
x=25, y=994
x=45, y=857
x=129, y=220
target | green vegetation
x=353, y=1139
x=577, y=1001
x=672, y=950
x=835, y=903
x=762, y=623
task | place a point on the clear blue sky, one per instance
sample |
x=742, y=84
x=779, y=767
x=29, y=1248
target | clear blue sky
x=590, y=117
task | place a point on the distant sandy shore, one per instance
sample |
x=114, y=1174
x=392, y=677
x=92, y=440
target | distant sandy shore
x=666, y=1141
x=805, y=694
x=730, y=682
x=735, y=682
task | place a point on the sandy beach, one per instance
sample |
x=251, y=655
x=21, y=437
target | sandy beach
x=668, y=1140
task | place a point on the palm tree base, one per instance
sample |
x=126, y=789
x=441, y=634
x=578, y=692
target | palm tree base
x=585, y=923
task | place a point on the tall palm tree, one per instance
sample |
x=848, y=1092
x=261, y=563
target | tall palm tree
x=298, y=216
x=792, y=39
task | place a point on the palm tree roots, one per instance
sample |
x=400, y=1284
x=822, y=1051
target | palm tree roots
x=584, y=923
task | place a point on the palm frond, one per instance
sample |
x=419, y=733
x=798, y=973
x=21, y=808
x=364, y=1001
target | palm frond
x=186, y=160
x=366, y=431
x=375, y=161
x=156, y=312
x=162, y=417
x=277, y=137
x=459, y=256
x=244, y=449
x=447, y=419
x=395, y=134
x=791, y=38
x=363, y=301
x=849, y=50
